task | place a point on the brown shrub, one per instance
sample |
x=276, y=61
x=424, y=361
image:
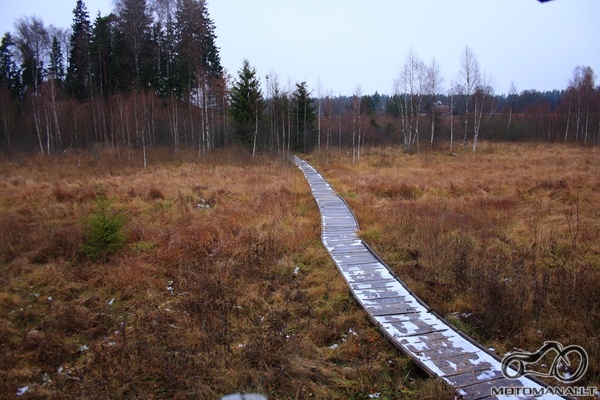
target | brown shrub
x=392, y=190
x=155, y=194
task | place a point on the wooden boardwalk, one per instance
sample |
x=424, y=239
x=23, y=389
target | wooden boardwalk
x=402, y=317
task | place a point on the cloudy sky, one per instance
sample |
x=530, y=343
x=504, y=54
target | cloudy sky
x=339, y=45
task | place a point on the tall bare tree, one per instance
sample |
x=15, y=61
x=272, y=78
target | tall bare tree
x=468, y=81
x=581, y=89
x=410, y=89
x=452, y=90
x=356, y=123
x=512, y=93
x=483, y=99
x=433, y=87
x=33, y=43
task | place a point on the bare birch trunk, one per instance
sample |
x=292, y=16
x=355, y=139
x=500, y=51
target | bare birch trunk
x=354, y=137
x=319, y=125
x=36, y=120
x=433, y=116
x=451, y=122
x=174, y=122
x=568, y=119
x=48, y=132
x=255, y=130
x=55, y=111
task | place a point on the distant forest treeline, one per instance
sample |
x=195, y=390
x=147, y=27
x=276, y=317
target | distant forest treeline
x=149, y=74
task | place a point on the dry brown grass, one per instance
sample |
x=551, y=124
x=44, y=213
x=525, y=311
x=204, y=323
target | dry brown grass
x=503, y=242
x=203, y=301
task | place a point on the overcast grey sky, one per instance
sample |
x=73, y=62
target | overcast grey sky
x=346, y=43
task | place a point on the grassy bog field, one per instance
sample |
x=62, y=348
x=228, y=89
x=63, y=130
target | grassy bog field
x=220, y=285
x=504, y=243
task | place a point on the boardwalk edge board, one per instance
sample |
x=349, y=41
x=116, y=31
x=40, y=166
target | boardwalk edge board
x=404, y=319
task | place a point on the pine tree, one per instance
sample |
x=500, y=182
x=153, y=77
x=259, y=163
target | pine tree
x=134, y=24
x=197, y=54
x=189, y=37
x=306, y=116
x=10, y=87
x=164, y=45
x=79, y=70
x=101, y=55
x=211, y=59
x=10, y=75
x=56, y=68
x=124, y=69
x=246, y=105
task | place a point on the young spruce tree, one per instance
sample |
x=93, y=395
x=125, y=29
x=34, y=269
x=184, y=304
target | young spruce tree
x=103, y=228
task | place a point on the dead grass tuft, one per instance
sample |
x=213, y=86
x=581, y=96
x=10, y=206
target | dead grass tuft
x=155, y=194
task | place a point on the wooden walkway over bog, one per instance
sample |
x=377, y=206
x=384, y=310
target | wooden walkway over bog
x=402, y=317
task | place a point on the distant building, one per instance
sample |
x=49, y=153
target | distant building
x=441, y=109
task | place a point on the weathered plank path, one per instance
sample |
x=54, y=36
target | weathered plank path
x=403, y=318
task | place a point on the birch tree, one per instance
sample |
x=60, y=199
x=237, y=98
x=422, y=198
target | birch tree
x=483, y=98
x=319, y=97
x=410, y=88
x=581, y=88
x=468, y=81
x=33, y=43
x=452, y=95
x=433, y=87
x=356, y=123
x=512, y=93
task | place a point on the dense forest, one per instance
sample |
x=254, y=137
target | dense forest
x=149, y=74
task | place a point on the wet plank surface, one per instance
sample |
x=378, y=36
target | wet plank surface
x=408, y=323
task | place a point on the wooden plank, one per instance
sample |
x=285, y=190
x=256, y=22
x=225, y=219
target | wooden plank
x=373, y=285
x=390, y=309
x=368, y=267
x=472, y=377
x=362, y=278
x=413, y=326
x=483, y=390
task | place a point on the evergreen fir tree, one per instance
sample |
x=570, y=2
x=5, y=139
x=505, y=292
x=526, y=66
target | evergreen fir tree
x=56, y=68
x=79, y=72
x=189, y=37
x=101, y=55
x=211, y=59
x=305, y=138
x=10, y=75
x=246, y=104
x=134, y=24
x=124, y=69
